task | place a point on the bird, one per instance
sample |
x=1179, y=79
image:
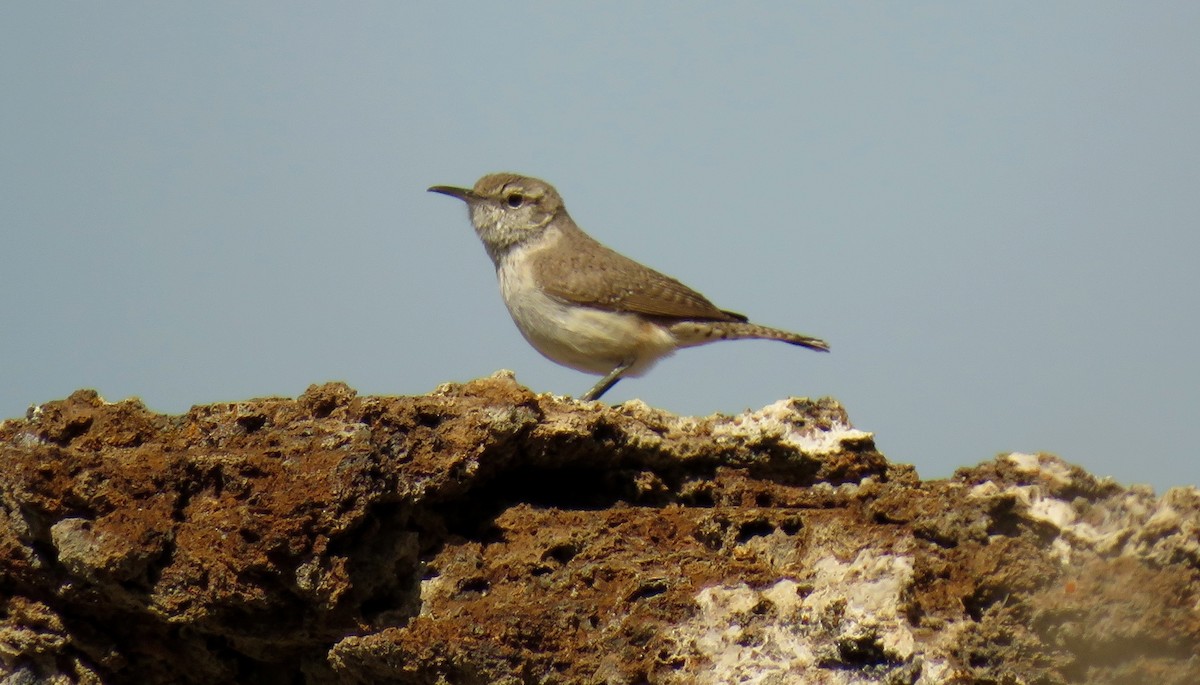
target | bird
x=582, y=304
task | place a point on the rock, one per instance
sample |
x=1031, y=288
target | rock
x=484, y=534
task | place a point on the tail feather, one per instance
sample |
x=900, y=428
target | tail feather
x=691, y=333
x=805, y=341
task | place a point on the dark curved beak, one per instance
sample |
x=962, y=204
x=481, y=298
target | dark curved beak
x=463, y=194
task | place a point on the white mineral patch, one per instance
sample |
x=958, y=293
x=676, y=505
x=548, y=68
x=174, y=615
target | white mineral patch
x=1132, y=522
x=433, y=589
x=29, y=440
x=781, y=421
x=773, y=635
x=1056, y=512
x=870, y=588
x=716, y=639
x=1033, y=463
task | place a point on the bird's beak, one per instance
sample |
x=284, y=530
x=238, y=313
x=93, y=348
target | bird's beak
x=463, y=194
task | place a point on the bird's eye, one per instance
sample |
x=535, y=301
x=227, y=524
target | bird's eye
x=515, y=200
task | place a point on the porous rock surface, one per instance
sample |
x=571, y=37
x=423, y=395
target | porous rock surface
x=485, y=534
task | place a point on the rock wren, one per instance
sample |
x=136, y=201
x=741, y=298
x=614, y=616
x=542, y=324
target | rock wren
x=580, y=303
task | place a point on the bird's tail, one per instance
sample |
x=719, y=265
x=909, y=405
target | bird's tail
x=690, y=333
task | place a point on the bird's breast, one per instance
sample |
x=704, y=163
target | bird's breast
x=581, y=337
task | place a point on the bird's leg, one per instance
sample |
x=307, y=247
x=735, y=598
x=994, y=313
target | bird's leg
x=607, y=382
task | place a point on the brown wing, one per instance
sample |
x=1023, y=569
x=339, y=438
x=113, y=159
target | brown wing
x=595, y=276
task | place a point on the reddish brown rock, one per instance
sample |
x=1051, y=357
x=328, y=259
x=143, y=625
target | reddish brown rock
x=484, y=534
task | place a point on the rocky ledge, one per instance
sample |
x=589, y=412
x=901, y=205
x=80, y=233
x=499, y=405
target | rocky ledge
x=485, y=534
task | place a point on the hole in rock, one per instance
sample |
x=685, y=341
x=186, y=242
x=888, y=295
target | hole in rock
x=473, y=586
x=561, y=553
x=252, y=422
x=754, y=529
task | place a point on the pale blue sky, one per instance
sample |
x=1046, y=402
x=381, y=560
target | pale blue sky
x=990, y=210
